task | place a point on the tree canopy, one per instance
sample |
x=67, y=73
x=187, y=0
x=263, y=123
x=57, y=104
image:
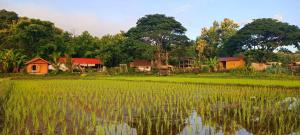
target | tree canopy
x=7, y=18
x=157, y=29
x=211, y=41
x=160, y=31
x=155, y=37
x=259, y=39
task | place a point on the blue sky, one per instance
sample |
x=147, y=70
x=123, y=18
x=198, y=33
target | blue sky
x=101, y=17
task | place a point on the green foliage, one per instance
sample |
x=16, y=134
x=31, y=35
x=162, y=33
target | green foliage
x=181, y=51
x=11, y=60
x=247, y=70
x=287, y=58
x=211, y=41
x=160, y=31
x=153, y=34
x=276, y=69
x=135, y=49
x=34, y=37
x=212, y=64
x=259, y=39
x=109, y=49
x=205, y=69
x=54, y=59
x=84, y=45
x=157, y=29
x=7, y=18
x=118, y=49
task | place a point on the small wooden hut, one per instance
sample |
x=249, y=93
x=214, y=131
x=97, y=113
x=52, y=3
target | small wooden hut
x=37, y=66
x=228, y=63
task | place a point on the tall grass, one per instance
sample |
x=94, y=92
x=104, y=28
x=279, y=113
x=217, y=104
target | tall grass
x=5, y=87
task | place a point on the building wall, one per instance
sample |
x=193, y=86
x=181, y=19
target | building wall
x=259, y=66
x=235, y=64
x=41, y=68
x=144, y=68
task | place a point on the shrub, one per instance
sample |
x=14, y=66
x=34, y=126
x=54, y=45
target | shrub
x=276, y=69
x=83, y=75
x=205, y=69
x=131, y=70
x=243, y=70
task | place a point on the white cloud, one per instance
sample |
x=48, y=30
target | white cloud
x=72, y=21
x=278, y=17
x=244, y=22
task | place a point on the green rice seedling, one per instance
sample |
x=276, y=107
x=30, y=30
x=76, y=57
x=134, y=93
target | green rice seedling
x=157, y=107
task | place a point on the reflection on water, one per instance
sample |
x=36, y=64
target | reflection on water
x=226, y=119
x=195, y=126
x=113, y=129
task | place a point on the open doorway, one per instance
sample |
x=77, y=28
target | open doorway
x=33, y=68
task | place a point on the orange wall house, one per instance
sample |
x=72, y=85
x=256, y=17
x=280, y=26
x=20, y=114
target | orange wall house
x=228, y=63
x=37, y=66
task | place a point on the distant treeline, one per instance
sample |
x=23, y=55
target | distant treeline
x=23, y=38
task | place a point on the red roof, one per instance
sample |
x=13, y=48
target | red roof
x=36, y=59
x=82, y=60
x=230, y=59
x=136, y=63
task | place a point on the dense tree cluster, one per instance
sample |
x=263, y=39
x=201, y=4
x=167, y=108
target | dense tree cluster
x=23, y=38
x=164, y=33
x=211, y=41
x=258, y=40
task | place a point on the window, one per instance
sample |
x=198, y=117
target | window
x=34, y=68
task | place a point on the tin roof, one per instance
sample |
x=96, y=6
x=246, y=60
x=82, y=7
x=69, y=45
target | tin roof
x=136, y=63
x=82, y=60
x=35, y=59
x=230, y=58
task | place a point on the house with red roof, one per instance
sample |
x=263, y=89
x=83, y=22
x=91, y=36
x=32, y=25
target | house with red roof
x=83, y=63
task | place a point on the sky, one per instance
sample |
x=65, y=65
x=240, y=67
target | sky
x=101, y=17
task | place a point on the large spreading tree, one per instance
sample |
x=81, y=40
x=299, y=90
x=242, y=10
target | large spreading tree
x=258, y=40
x=160, y=31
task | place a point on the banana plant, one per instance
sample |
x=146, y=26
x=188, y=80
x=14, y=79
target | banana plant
x=212, y=64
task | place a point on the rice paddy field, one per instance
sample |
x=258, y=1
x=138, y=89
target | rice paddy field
x=135, y=106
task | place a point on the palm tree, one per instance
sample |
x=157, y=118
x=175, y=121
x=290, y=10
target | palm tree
x=55, y=60
x=69, y=63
